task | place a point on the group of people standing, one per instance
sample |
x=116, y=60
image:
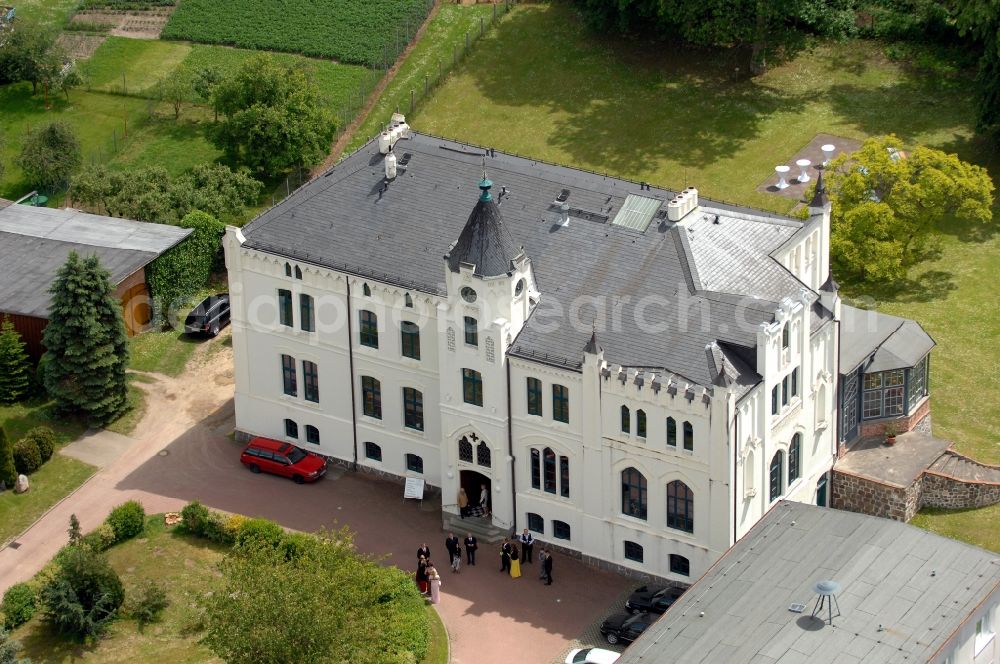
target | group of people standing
x=511, y=558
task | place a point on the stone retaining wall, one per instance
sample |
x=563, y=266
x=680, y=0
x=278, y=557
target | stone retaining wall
x=866, y=496
x=952, y=493
x=876, y=428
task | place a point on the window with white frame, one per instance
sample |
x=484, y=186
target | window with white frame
x=984, y=632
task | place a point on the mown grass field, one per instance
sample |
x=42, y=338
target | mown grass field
x=50, y=12
x=350, y=31
x=55, y=480
x=978, y=527
x=542, y=85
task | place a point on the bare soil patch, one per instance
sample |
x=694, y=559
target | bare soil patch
x=80, y=46
x=135, y=24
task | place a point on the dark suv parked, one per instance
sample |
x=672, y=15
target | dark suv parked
x=624, y=628
x=210, y=316
x=655, y=599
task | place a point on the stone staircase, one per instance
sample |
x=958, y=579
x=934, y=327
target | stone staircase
x=963, y=468
x=483, y=529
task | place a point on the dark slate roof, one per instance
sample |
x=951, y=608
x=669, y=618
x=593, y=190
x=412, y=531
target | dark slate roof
x=918, y=586
x=896, y=343
x=35, y=242
x=688, y=293
x=485, y=241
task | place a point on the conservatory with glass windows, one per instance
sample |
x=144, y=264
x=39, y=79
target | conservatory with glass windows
x=884, y=372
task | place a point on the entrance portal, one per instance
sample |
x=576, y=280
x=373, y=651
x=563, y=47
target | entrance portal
x=821, y=490
x=473, y=483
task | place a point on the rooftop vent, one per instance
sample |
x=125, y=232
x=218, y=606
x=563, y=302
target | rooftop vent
x=826, y=592
x=682, y=203
x=562, y=197
x=396, y=130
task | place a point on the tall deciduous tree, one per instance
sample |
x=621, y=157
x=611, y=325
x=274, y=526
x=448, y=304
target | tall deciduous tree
x=8, y=471
x=177, y=89
x=273, y=118
x=15, y=376
x=981, y=20
x=885, y=205
x=87, y=349
x=26, y=54
x=50, y=155
x=760, y=27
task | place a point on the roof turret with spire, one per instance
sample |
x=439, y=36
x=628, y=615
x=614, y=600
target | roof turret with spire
x=819, y=200
x=485, y=241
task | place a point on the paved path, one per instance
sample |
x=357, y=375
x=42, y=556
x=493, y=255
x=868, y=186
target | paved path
x=182, y=453
x=99, y=447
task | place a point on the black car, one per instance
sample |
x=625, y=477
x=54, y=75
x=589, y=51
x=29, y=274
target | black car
x=655, y=599
x=625, y=628
x=210, y=316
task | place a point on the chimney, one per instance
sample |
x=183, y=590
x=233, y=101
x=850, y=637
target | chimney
x=564, y=215
x=390, y=165
x=384, y=142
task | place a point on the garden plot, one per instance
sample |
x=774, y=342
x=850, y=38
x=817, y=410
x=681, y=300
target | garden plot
x=137, y=24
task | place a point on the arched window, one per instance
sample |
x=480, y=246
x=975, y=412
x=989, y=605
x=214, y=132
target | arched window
x=640, y=423
x=626, y=420
x=369, y=328
x=312, y=434
x=671, y=432
x=288, y=270
x=472, y=387
x=471, y=331
x=749, y=474
x=310, y=376
x=366, y=290
x=680, y=506
x=680, y=565
x=821, y=405
x=777, y=461
x=536, y=523
x=371, y=397
x=409, y=337
x=560, y=530
x=373, y=451
x=633, y=493
x=408, y=301
x=483, y=455
x=794, y=458
x=307, y=313
x=414, y=463
x=291, y=428
x=564, y=476
x=536, y=469
x=549, y=464
x=465, y=450
x=688, y=437
x=785, y=336
x=289, y=384
x=298, y=272
x=633, y=551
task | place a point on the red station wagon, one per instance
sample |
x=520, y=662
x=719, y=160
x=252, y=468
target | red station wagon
x=272, y=456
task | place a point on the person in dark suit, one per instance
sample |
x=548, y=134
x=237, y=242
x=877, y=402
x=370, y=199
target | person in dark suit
x=424, y=551
x=527, y=544
x=547, y=567
x=451, y=544
x=505, y=551
x=470, y=548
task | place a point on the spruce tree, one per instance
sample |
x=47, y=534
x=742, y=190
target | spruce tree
x=15, y=379
x=8, y=473
x=87, y=348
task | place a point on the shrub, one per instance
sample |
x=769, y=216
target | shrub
x=8, y=467
x=233, y=525
x=127, y=520
x=18, y=605
x=27, y=458
x=149, y=601
x=9, y=649
x=295, y=545
x=84, y=595
x=194, y=515
x=46, y=440
x=215, y=529
x=100, y=539
x=255, y=532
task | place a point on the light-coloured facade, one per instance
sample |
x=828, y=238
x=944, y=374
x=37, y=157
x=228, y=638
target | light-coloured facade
x=649, y=471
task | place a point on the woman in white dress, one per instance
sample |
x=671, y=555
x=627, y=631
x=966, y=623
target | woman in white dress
x=435, y=580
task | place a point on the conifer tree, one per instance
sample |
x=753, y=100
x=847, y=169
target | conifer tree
x=8, y=473
x=15, y=379
x=87, y=349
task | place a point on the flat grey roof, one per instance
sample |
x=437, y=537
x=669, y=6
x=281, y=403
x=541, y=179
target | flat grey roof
x=895, y=343
x=345, y=221
x=918, y=586
x=35, y=242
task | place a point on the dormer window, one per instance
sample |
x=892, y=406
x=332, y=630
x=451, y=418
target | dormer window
x=469, y=295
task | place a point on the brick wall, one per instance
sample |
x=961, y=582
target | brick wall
x=860, y=494
x=952, y=493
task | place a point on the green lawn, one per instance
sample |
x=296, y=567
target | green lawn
x=49, y=484
x=186, y=567
x=142, y=61
x=437, y=647
x=980, y=527
x=444, y=33
x=53, y=12
x=161, y=352
x=99, y=120
x=17, y=418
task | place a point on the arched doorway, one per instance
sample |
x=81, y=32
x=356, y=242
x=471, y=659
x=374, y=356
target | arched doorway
x=473, y=482
x=821, y=488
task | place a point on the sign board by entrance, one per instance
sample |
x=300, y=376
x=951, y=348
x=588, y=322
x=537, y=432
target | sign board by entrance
x=414, y=488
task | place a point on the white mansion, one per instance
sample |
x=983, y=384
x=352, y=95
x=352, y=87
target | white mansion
x=636, y=375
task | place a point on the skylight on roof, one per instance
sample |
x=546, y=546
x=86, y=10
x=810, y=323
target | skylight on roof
x=637, y=212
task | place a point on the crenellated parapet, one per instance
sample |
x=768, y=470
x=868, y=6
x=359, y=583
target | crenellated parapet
x=669, y=390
